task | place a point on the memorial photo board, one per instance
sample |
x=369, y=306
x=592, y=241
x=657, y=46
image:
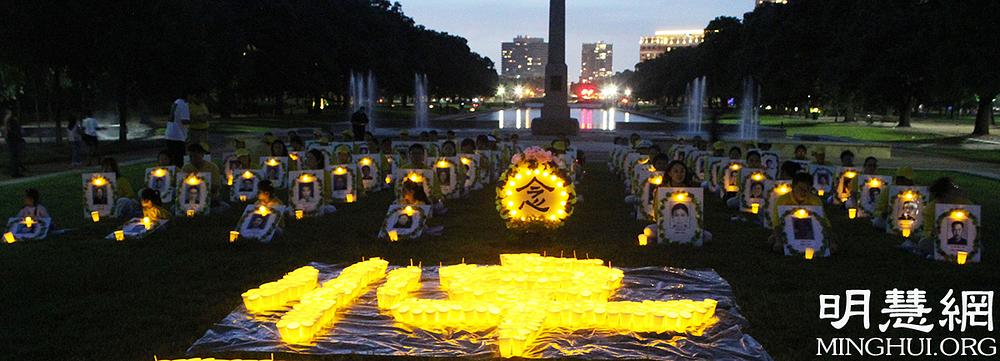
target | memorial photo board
x=773, y=189
x=906, y=204
x=804, y=230
x=680, y=215
x=368, y=166
x=846, y=183
x=447, y=176
x=259, y=223
x=161, y=179
x=772, y=163
x=472, y=177
x=871, y=188
x=245, y=185
x=99, y=193
x=193, y=191
x=753, y=189
x=274, y=169
x=306, y=191
x=404, y=222
x=343, y=182
x=956, y=232
x=823, y=178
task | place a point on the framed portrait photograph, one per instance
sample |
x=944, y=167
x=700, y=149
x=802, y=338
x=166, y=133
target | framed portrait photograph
x=193, y=193
x=680, y=215
x=404, y=222
x=245, y=185
x=259, y=225
x=956, y=229
x=161, y=179
x=343, y=182
x=772, y=163
x=823, y=178
x=446, y=176
x=906, y=204
x=753, y=190
x=371, y=178
x=470, y=161
x=772, y=189
x=274, y=169
x=306, y=191
x=804, y=229
x=99, y=193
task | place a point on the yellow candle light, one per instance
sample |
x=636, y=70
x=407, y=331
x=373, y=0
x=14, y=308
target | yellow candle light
x=100, y=181
x=442, y=164
x=820, y=192
x=875, y=183
x=293, y=156
x=233, y=236
x=272, y=162
x=850, y=174
x=961, y=257
x=120, y=235
x=757, y=177
x=408, y=211
x=466, y=161
x=9, y=237
x=159, y=172
x=307, y=178
x=959, y=215
x=810, y=252
x=349, y=198
x=229, y=179
x=192, y=180
x=782, y=189
x=754, y=208
x=147, y=223
x=658, y=180
x=243, y=198
x=735, y=166
x=393, y=235
x=680, y=197
x=801, y=214
x=299, y=214
x=264, y=211
x=388, y=179
x=96, y=216
x=340, y=171
x=415, y=178
x=906, y=226
x=852, y=213
x=248, y=175
x=28, y=222
x=366, y=161
x=643, y=240
x=190, y=213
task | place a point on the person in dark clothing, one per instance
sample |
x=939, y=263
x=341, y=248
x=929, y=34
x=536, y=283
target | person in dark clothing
x=15, y=143
x=359, y=121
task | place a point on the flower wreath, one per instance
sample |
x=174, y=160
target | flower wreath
x=661, y=230
x=823, y=222
x=976, y=244
x=534, y=158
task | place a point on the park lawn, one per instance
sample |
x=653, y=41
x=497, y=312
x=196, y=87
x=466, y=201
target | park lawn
x=979, y=155
x=81, y=297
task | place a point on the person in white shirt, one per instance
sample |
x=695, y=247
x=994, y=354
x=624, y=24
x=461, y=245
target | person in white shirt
x=176, y=135
x=89, y=137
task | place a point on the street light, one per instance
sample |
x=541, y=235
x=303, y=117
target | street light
x=628, y=92
x=609, y=91
x=519, y=91
x=501, y=90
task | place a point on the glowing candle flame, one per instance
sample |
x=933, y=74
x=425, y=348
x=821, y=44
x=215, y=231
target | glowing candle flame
x=96, y=216
x=680, y=197
x=850, y=174
x=416, y=178
x=754, y=208
x=810, y=252
x=852, y=213
x=100, y=181
x=442, y=164
x=801, y=214
x=658, y=180
x=875, y=183
x=466, y=161
x=393, y=235
x=962, y=257
x=299, y=214
x=28, y=222
x=248, y=175
x=9, y=237
x=959, y=215
x=272, y=162
x=307, y=178
x=349, y=198
x=340, y=171
x=192, y=180
x=757, y=177
x=909, y=196
x=159, y=172
x=190, y=213
x=263, y=211
x=366, y=161
x=408, y=211
x=233, y=236
x=735, y=166
x=388, y=179
x=643, y=240
x=119, y=235
x=782, y=189
x=820, y=192
x=147, y=223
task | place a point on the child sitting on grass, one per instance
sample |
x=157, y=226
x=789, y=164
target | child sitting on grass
x=32, y=205
x=152, y=205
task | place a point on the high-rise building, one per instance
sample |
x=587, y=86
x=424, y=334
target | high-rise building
x=597, y=62
x=762, y=2
x=650, y=47
x=524, y=58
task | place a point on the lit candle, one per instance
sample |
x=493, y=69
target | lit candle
x=754, y=208
x=820, y=192
x=961, y=257
x=233, y=236
x=120, y=235
x=810, y=252
x=243, y=198
x=643, y=240
x=299, y=214
x=9, y=237
x=388, y=179
x=393, y=235
x=349, y=198
x=852, y=213
x=190, y=213
x=906, y=227
x=96, y=216
x=147, y=223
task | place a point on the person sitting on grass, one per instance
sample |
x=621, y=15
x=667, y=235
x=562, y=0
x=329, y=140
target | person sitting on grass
x=152, y=205
x=266, y=196
x=800, y=153
x=413, y=195
x=675, y=173
x=819, y=157
x=847, y=158
x=417, y=157
x=32, y=206
x=870, y=166
x=198, y=164
x=788, y=170
x=942, y=191
x=163, y=159
x=126, y=207
x=903, y=178
x=801, y=195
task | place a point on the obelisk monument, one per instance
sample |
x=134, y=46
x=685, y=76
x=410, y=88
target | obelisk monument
x=555, y=118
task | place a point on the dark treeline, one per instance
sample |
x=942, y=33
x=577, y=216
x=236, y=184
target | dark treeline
x=63, y=57
x=848, y=56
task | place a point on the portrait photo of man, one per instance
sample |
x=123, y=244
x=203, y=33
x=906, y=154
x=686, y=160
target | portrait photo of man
x=957, y=232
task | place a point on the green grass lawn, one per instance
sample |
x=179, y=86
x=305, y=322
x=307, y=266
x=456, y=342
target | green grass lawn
x=80, y=297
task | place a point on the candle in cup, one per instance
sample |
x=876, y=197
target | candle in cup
x=9, y=237
x=810, y=252
x=643, y=240
x=120, y=235
x=962, y=257
x=96, y=216
x=349, y=198
x=820, y=192
x=243, y=198
x=190, y=213
x=754, y=208
x=393, y=235
x=233, y=236
x=147, y=223
x=299, y=214
x=852, y=213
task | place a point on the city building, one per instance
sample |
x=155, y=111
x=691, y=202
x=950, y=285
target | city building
x=597, y=62
x=524, y=58
x=762, y=2
x=650, y=47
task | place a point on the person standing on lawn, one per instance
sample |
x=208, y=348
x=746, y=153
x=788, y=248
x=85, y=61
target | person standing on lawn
x=176, y=134
x=74, y=135
x=89, y=137
x=359, y=122
x=15, y=142
x=198, y=128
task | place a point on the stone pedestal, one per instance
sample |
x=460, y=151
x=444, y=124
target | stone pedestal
x=555, y=119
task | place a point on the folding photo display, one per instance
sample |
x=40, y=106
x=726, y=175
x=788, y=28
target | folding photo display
x=245, y=185
x=306, y=191
x=804, y=231
x=846, y=184
x=447, y=176
x=871, y=188
x=137, y=228
x=696, y=162
x=680, y=215
x=161, y=179
x=752, y=193
x=274, y=169
x=404, y=222
x=772, y=163
x=343, y=182
x=424, y=177
x=773, y=189
x=487, y=173
x=26, y=229
x=712, y=171
x=647, y=191
x=730, y=176
x=193, y=193
x=98, y=195
x=368, y=166
x=823, y=177
x=258, y=223
x=471, y=163
x=956, y=233
x=905, y=206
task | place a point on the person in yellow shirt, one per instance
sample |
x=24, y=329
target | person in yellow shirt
x=801, y=195
x=198, y=127
x=126, y=207
x=152, y=205
x=198, y=164
x=904, y=177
